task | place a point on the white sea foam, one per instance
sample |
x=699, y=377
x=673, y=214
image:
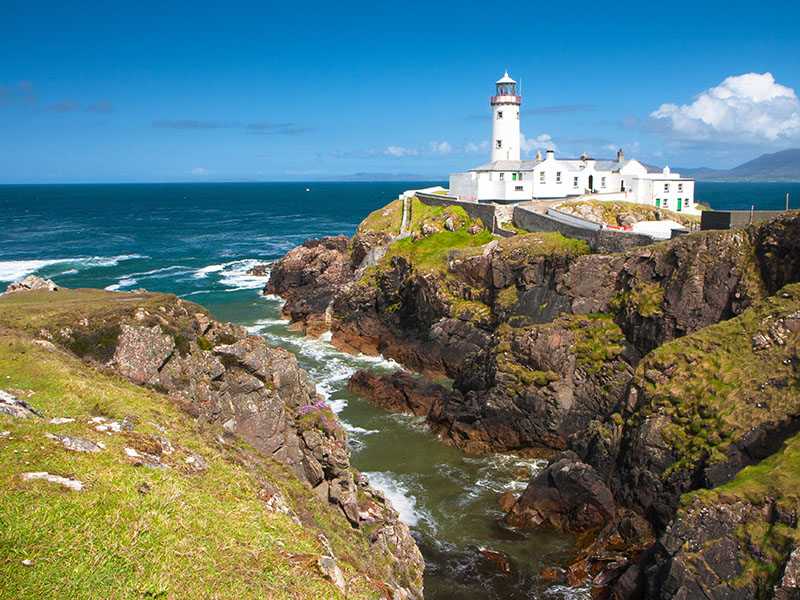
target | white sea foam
x=355, y=429
x=398, y=494
x=234, y=274
x=201, y=273
x=11, y=270
x=337, y=406
x=121, y=284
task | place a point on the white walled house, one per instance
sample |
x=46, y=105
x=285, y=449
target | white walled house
x=507, y=179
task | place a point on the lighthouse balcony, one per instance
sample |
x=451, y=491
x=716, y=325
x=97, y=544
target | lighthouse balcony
x=506, y=99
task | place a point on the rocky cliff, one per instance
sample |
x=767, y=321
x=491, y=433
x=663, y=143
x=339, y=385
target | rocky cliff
x=222, y=376
x=656, y=372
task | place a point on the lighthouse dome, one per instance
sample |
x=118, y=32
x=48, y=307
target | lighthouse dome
x=505, y=79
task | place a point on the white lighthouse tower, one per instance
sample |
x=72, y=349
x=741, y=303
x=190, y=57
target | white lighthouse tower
x=505, y=120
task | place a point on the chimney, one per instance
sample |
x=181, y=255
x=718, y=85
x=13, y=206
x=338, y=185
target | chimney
x=620, y=156
x=551, y=154
x=538, y=155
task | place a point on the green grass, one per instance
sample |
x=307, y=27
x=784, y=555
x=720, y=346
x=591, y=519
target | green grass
x=538, y=244
x=387, y=219
x=431, y=253
x=207, y=534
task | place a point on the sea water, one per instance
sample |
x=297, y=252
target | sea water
x=199, y=240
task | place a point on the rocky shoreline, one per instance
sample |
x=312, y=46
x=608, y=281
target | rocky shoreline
x=622, y=368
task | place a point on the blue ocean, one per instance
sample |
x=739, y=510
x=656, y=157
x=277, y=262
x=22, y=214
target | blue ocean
x=199, y=240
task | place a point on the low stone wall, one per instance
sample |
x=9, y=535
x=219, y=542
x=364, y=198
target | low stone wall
x=729, y=219
x=603, y=240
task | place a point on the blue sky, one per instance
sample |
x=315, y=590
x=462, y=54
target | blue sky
x=171, y=91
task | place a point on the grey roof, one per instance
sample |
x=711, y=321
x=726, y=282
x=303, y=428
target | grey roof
x=509, y=165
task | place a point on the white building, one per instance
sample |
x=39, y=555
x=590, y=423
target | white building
x=507, y=179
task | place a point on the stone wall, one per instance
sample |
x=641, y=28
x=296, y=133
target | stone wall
x=729, y=219
x=603, y=241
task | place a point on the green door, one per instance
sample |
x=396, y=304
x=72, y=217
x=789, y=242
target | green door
x=658, y=202
x=679, y=204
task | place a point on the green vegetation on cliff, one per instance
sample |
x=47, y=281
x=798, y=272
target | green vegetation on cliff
x=719, y=383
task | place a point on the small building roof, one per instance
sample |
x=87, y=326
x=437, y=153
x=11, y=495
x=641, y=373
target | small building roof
x=509, y=165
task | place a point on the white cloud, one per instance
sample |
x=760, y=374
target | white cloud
x=541, y=142
x=473, y=148
x=750, y=108
x=439, y=148
x=202, y=171
x=432, y=149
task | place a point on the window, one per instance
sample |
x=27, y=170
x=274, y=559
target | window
x=666, y=188
x=499, y=114
x=519, y=176
x=558, y=176
x=541, y=176
x=575, y=182
x=602, y=182
x=498, y=144
x=517, y=115
x=680, y=187
x=502, y=176
x=666, y=202
x=518, y=188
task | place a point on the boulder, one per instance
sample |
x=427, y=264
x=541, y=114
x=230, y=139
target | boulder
x=30, y=283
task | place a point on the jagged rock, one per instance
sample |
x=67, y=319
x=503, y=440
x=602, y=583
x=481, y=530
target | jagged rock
x=19, y=409
x=68, y=482
x=141, y=352
x=309, y=276
x=330, y=569
x=788, y=588
x=61, y=420
x=45, y=344
x=196, y=461
x=567, y=496
x=259, y=271
x=74, y=443
x=31, y=282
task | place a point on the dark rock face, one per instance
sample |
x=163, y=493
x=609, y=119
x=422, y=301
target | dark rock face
x=567, y=496
x=702, y=553
x=308, y=277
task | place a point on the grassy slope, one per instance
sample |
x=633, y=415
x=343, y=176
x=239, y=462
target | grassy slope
x=206, y=534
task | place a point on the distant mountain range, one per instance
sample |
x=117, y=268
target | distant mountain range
x=780, y=166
